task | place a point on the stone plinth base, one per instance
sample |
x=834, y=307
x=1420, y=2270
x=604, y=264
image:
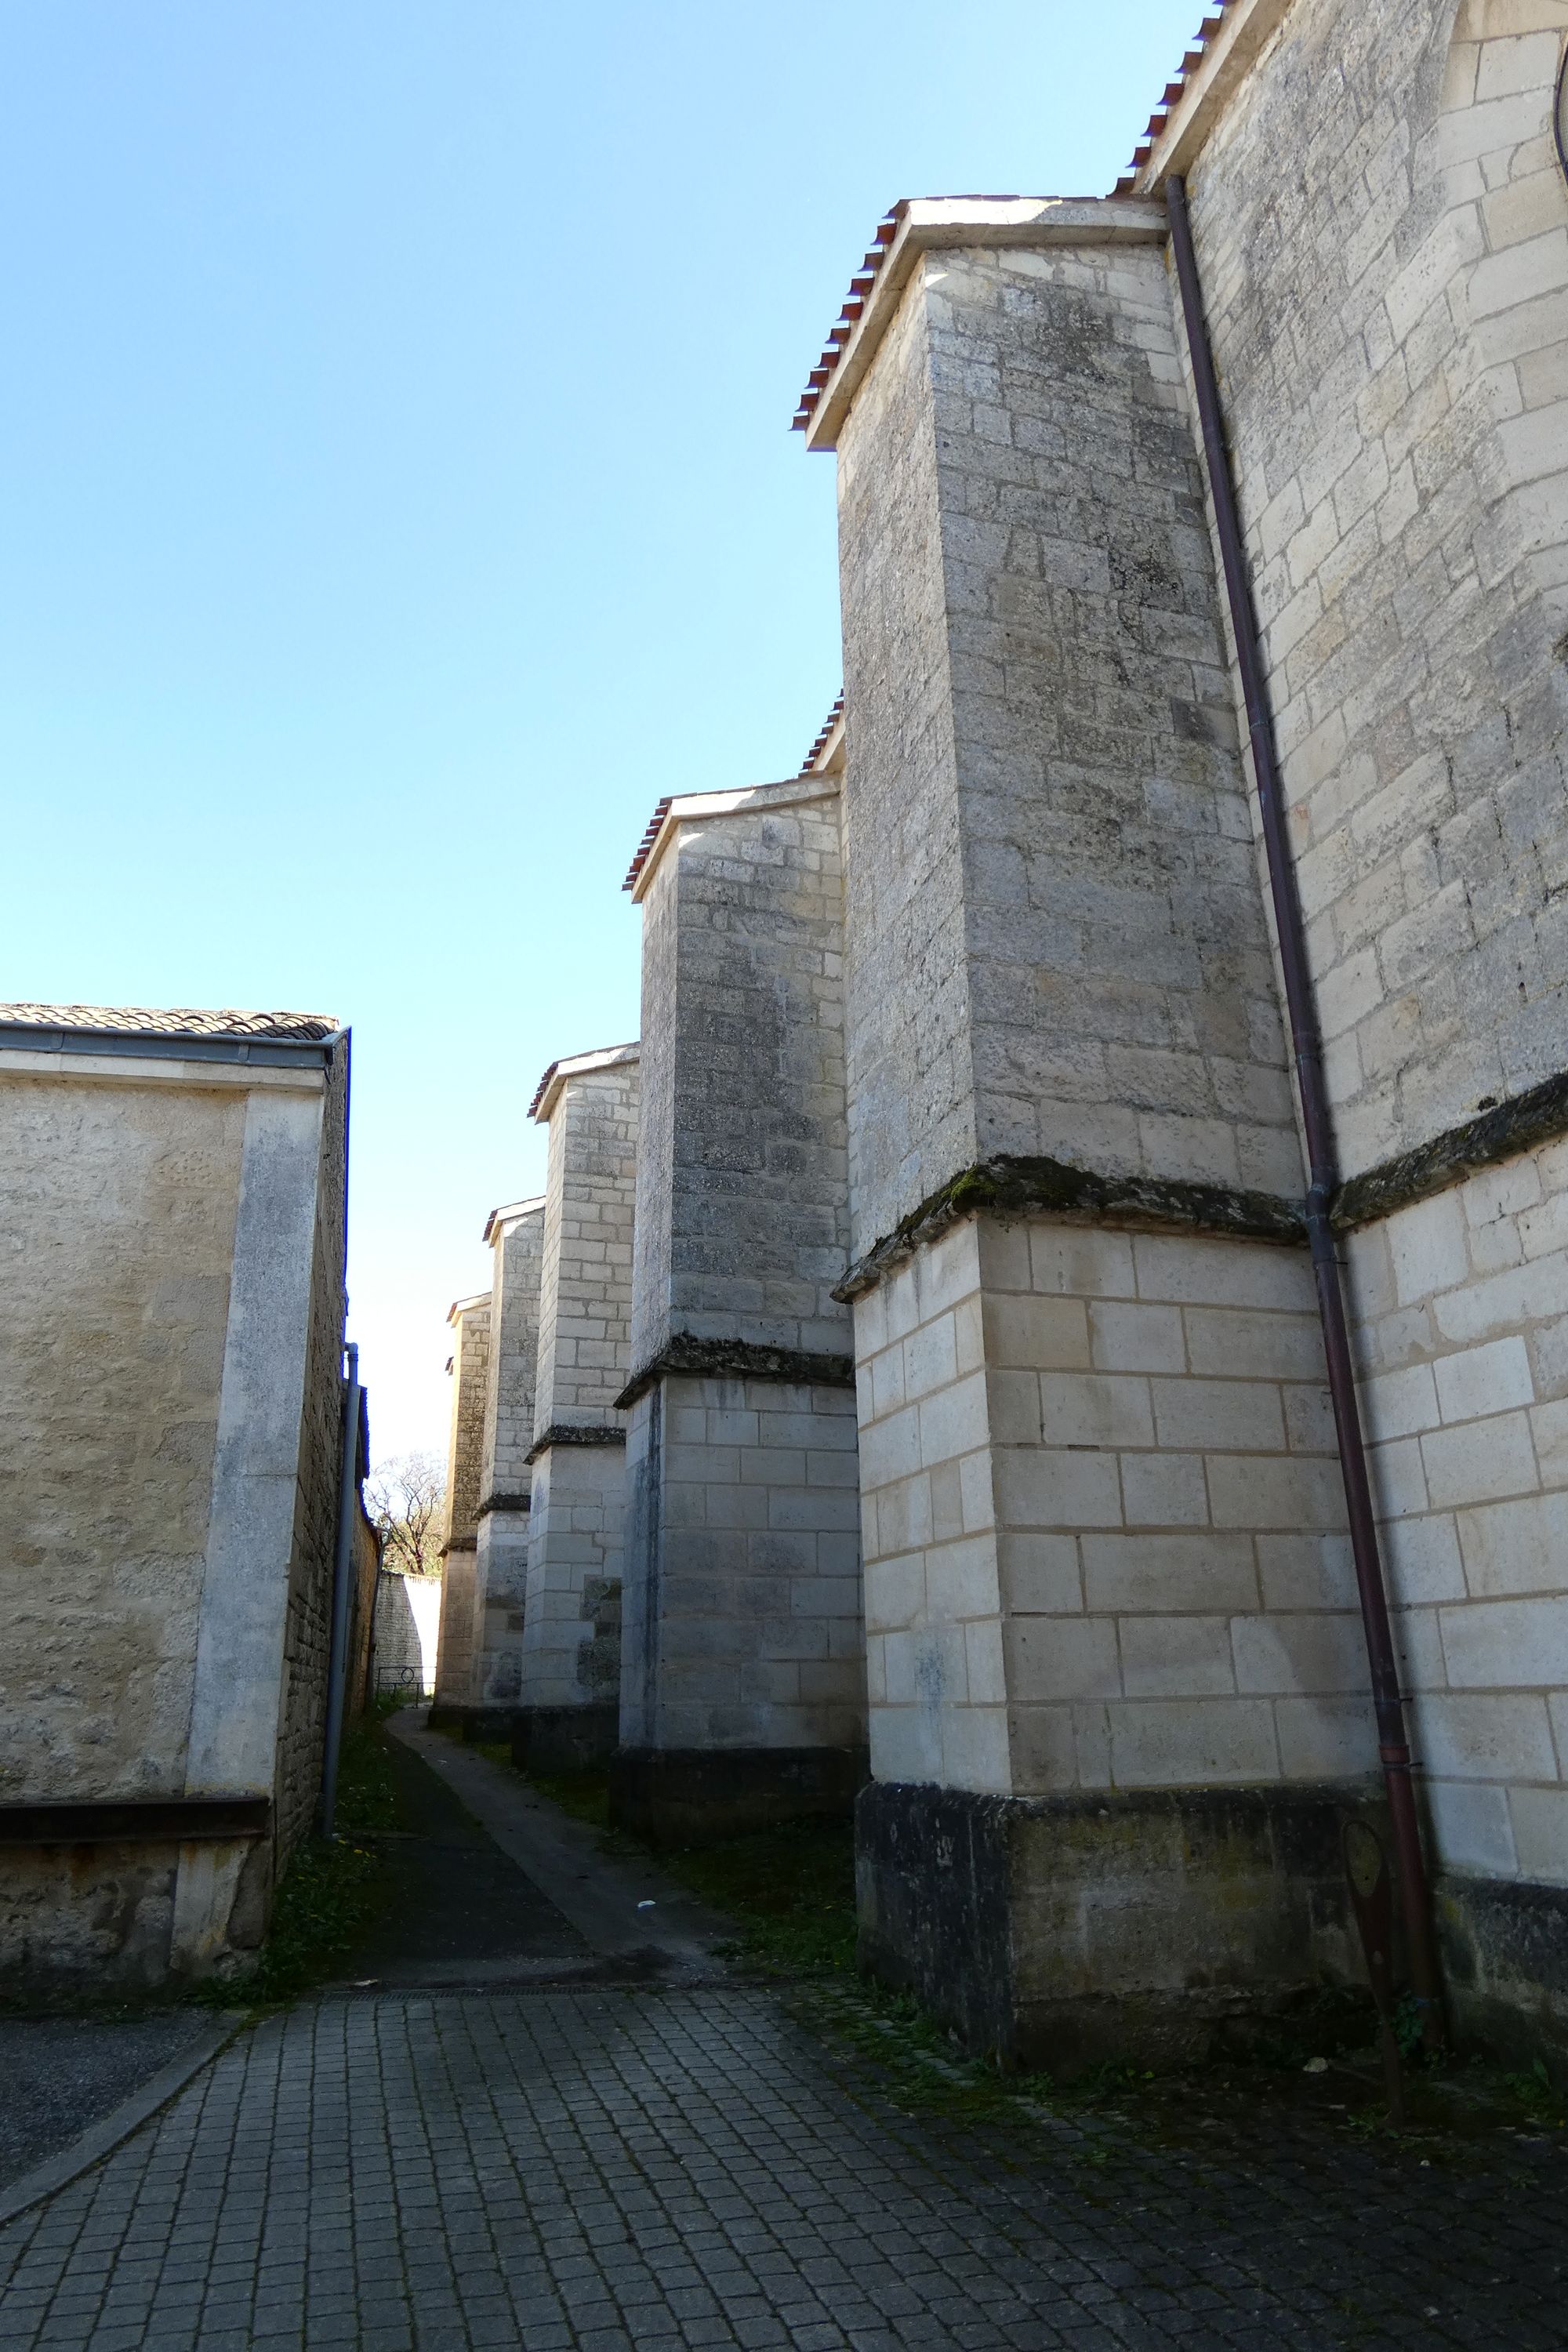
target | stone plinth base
x=694, y=1796
x=563, y=1739
x=77, y=1918
x=1155, y=1924
x=1504, y=1947
x=474, y=1723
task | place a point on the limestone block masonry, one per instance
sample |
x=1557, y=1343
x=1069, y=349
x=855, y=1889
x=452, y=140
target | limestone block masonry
x=1402, y=458
x=459, y=1636
x=1105, y=1569
x=1061, y=1021
x=570, y=1697
x=743, y=1693
x=171, y=1378
x=516, y=1236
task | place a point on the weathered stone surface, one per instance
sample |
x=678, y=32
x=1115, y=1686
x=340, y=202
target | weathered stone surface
x=571, y=1632
x=172, y=1407
x=1067, y=1931
x=743, y=1597
x=1056, y=942
x=1388, y=311
x=459, y=1636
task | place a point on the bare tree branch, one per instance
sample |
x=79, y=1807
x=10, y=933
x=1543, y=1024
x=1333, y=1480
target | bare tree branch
x=406, y=1497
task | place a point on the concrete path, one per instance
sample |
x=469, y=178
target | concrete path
x=624, y=1912
x=598, y=2166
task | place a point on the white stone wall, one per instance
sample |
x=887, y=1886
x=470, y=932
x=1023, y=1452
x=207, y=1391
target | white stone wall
x=1463, y=1337
x=1382, y=226
x=120, y=1211
x=746, y=1629
x=1055, y=932
x=742, y=1183
x=500, y=1592
x=571, y=1630
x=517, y=1249
x=571, y=1642
x=584, y=1303
x=456, y=1646
x=500, y=1562
x=1103, y=1517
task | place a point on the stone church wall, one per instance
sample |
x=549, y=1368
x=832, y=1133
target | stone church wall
x=1403, y=458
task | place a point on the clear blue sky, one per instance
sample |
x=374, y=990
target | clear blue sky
x=398, y=498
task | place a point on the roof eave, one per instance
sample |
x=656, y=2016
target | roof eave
x=690, y=808
x=1230, y=52
x=934, y=223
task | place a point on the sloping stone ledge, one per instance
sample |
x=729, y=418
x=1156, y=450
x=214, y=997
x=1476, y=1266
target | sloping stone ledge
x=503, y=1503
x=132, y=1820
x=1014, y=1186
x=690, y=1358
x=571, y=1432
x=1499, y=1132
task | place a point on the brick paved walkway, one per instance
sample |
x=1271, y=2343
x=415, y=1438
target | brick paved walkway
x=605, y=2169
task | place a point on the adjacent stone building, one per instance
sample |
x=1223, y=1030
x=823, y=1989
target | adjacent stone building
x=172, y=1427
x=742, y=1695
x=570, y=1698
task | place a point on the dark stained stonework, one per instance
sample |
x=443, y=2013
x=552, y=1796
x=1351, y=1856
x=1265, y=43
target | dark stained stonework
x=1156, y=1924
x=474, y=1723
x=131, y=1819
x=741, y=1360
x=1012, y=1186
x=551, y=1739
x=504, y=1503
x=1498, y=1133
x=695, y=1796
x=1505, y=1963
x=571, y=1432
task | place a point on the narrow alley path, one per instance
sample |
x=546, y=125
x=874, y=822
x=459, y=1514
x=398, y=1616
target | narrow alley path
x=575, y=2162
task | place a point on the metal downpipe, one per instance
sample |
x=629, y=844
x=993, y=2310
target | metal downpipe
x=1393, y=1748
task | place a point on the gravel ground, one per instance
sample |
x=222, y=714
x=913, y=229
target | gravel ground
x=61, y=2074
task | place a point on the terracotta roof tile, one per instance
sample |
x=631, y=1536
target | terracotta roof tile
x=865, y=277
x=1174, y=92
x=823, y=732
x=174, y=1020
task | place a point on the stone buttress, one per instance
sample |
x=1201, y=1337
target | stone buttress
x=569, y=1695
x=469, y=1367
x=1115, y=1680
x=516, y=1240
x=742, y=1692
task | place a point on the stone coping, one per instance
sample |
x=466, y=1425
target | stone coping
x=511, y=1214
x=547, y=1094
x=686, y=1357
x=135, y=1821
x=928, y=224
x=1498, y=1132
x=574, y=1433
x=689, y=808
x=1014, y=1186
x=503, y=1503
x=1022, y=1187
